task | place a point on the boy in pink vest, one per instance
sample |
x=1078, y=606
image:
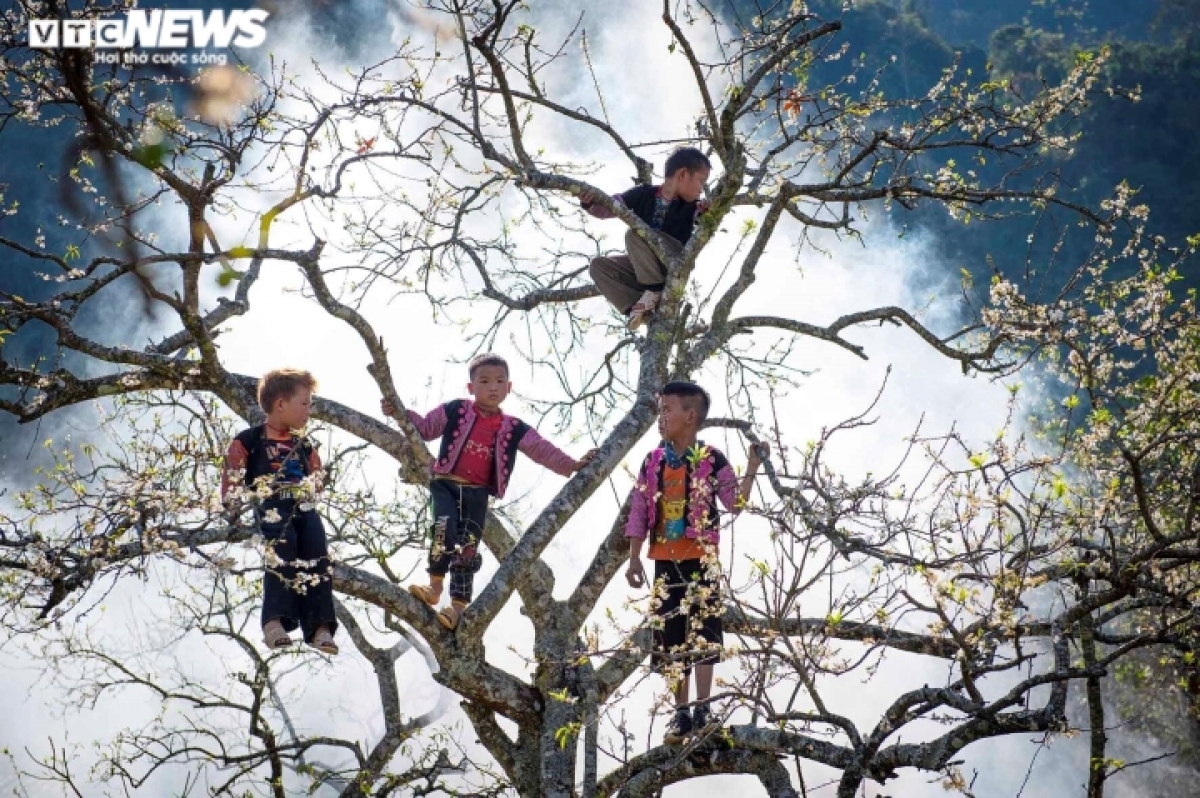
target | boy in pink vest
x=674, y=505
x=479, y=446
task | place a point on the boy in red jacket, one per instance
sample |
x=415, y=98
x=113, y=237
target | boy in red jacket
x=479, y=446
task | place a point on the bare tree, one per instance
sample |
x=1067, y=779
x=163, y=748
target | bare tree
x=997, y=562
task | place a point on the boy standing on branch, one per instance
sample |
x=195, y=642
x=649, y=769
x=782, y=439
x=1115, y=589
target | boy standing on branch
x=479, y=446
x=674, y=504
x=278, y=463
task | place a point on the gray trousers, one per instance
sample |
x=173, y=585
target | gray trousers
x=623, y=278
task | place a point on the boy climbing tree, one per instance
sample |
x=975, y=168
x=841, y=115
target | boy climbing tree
x=633, y=282
x=477, y=454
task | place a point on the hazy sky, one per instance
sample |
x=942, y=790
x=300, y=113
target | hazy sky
x=648, y=101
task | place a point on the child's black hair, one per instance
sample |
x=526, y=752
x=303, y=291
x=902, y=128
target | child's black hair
x=688, y=158
x=486, y=359
x=693, y=397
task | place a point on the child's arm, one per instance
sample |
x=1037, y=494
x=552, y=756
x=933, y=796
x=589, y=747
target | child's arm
x=315, y=465
x=635, y=574
x=635, y=530
x=236, y=457
x=588, y=202
x=732, y=494
x=547, y=455
x=429, y=426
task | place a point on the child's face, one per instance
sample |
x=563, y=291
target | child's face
x=293, y=411
x=490, y=385
x=689, y=186
x=675, y=419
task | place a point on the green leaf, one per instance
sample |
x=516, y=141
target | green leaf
x=151, y=156
x=227, y=276
x=564, y=734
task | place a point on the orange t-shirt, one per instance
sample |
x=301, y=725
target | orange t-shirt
x=668, y=541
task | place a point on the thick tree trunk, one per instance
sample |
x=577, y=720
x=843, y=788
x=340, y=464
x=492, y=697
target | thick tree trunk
x=557, y=680
x=559, y=742
x=1097, y=767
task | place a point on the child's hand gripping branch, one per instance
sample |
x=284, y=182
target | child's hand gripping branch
x=583, y=462
x=477, y=455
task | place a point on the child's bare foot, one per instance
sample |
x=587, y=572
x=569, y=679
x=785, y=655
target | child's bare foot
x=642, y=309
x=450, y=616
x=323, y=641
x=426, y=594
x=275, y=636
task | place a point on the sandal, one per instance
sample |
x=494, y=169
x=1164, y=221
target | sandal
x=642, y=309
x=323, y=641
x=275, y=636
x=450, y=616
x=426, y=594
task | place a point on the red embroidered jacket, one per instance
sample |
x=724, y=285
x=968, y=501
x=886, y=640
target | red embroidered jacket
x=453, y=421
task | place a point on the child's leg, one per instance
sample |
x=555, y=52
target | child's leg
x=672, y=637
x=315, y=604
x=681, y=689
x=466, y=559
x=704, y=680
x=648, y=270
x=279, y=600
x=705, y=604
x=444, y=495
x=615, y=278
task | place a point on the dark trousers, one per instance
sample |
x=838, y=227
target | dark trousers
x=459, y=513
x=297, y=595
x=691, y=611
